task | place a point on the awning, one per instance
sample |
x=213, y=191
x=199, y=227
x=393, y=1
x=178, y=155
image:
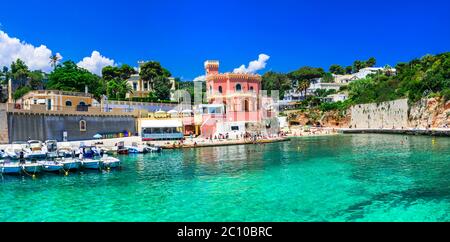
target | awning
x=161, y=123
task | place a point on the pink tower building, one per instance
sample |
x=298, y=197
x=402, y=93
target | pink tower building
x=238, y=97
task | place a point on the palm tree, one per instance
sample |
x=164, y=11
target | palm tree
x=54, y=59
x=302, y=86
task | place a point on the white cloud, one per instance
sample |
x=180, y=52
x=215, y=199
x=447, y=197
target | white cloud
x=254, y=66
x=96, y=62
x=200, y=78
x=36, y=58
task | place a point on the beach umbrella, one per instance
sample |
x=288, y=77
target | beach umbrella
x=98, y=136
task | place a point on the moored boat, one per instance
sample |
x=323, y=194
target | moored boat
x=91, y=164
x=87, y=158
x=31, y=167
x=110, y=162
x=13, y=168
x=70, y=164
x=36, y=151
x=121, y=149
x=51, y=166
x=51, y=146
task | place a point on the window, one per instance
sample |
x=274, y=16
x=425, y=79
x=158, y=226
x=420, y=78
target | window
x=210, y=89
x=251, y=88
x=235, y=128
x=135, y=86
x=145, y=86
x=220, y=89
x=238, y=87
x=82, y=125
x=82, y=104
x=68, y=103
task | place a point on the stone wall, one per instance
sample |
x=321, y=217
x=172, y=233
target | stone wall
x=22, y=127
x=393, y=114
x=3, y=124
x=426, y=113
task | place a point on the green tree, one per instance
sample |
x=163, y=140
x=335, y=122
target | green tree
x=118, y=88
x=371, y=62
x=337, y=69
x=304, y=76
x=151, y=70
x=348, y=70
x=162, y=91
x=276, y=81
x=123, y=72
x=20, y=92
x=327, y=77
x=36, y=80
x=19, y=73
x=358, y=65
x=70, y=77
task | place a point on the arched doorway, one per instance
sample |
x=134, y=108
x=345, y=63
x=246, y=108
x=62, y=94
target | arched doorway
x=246, y=106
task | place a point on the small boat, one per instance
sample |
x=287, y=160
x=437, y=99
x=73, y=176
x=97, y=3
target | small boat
x=91, y=164
x=10, y=168
x=67, y=151
x=152, y=149
x=87, y=157
x=69, y=164
x=110, y=162
x=134, y=150
x=31, y=167
x=109, y=150
x=51, y=146
x=12, y=152
x=36, y=151
x=121, y=149
x=51, y=166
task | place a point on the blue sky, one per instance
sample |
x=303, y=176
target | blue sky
x=183, y=34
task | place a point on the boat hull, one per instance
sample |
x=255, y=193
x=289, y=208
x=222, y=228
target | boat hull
x=72, y=165
x=111, y=162
x=32, y=168
x=91, y=164
x=52, y=168
x=10, y=169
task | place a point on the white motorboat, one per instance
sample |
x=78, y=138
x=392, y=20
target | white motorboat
x=110, y=162
x=67, y=151
x=12, y=151
x=51, y=166
x=10, y=168
x=36, y=151
x=51, y=146
x=91, y=164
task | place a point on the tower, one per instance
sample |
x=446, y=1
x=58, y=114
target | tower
x=212, y=67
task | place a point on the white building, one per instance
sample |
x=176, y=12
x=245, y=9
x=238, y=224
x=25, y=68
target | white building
x=335, y=98
x=143, y=88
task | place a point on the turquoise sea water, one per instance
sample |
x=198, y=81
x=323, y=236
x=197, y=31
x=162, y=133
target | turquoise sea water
x=365, y=177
